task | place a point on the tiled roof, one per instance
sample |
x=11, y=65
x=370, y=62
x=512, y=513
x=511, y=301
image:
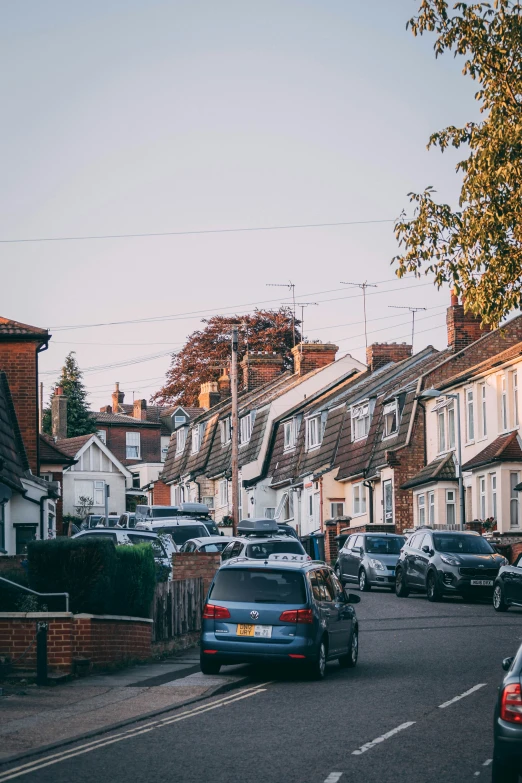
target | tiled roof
x=9, y=327
x=101, y=417
x=506, y=448
x=440, y=469
x=12, y=451
x=50, y=452
x=497, y=360
x=72, y=446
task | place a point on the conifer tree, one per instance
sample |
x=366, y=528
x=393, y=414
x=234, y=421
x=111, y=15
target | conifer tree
x=79, y=418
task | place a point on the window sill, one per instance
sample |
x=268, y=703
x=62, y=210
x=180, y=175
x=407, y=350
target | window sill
x=288, y=449
x=359, y=514
x=313, y=448
x=388, y=437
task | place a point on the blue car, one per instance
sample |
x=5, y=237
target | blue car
x=286, y=609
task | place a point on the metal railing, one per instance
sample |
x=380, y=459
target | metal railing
x=35, y=592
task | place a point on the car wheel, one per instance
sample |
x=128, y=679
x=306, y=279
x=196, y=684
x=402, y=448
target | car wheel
x=364, y=584
x=433, y=591
x=208, y=666
x=338, y=574
x=317, y=668
x=499, y=604
x=350, y=660
x=401, y=588
x=503, y=773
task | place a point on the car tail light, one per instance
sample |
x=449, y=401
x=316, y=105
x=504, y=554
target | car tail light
x=212, y=612
x=294, y=655
x=296, y=616
x=511, y=704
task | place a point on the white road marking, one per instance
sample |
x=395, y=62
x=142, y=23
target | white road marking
x=33, y=766
x=386, y=736
x=462, y=695
x=487, y=762
x=333, y=777
x=477, y=774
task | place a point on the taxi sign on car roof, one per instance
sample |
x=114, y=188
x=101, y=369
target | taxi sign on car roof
x=257, y=527
x=288, y=557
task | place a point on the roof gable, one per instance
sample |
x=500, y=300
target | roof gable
x=80, y=445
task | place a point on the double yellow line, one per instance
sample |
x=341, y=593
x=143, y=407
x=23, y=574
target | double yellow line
x=88, y=747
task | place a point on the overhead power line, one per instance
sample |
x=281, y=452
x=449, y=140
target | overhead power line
x=196, y=231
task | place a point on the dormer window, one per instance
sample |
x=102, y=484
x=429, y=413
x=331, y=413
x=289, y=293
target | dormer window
x=289, y=434
x=179, y=421
x=360, y=420
x=225, y=431
x=315, y=427
x=181, y=439
x=246, y=425
x=195, y=439
x=391, y=419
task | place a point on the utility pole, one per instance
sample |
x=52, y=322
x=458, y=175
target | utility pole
x=412, y=310
x=234, y=433
x=290, y=286
x=302, y=305
x=363, y=287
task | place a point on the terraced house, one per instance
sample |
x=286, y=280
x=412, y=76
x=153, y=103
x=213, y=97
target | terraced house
x=198, y=464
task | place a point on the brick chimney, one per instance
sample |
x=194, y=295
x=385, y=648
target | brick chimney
x=106, y=409
x=463, y=328
x=209, y=395
x=379, y=354
x=260, y=367
x=224, y=384
x=139, y=410
x=20, y=345
x=312, y=356
x=117, y=398
x=59, y=414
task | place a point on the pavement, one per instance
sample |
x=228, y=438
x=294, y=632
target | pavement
x=417, y=709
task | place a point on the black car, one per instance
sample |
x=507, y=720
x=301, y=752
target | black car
x=447, y=562
x=507, y=590
x=507, y=726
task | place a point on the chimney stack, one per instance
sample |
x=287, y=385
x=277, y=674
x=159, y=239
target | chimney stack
x=463, y=328
x=224, y=384
x=139, y=410
x=260, y=367
x=106, y=409
x=59, y=414
x=209, y=395
x=117, y=399
x=379, y=354
x=313, y=356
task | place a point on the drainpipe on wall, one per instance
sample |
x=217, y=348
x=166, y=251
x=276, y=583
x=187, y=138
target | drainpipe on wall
x=369, y=485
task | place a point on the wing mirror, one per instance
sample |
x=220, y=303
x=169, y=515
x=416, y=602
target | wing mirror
x=506, y=663
x=428, y=550
x=351, y=598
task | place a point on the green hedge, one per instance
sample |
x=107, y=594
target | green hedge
x=12, y=599
x=99, y=577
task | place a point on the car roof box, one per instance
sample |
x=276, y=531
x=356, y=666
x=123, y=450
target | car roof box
x=193, y=508
x=258, y=527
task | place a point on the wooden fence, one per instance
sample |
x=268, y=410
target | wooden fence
x=177, y=608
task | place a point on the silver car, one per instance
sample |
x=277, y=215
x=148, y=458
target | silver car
x=369, y=559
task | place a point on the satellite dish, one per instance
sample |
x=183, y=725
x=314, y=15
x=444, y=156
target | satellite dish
x=5, y=493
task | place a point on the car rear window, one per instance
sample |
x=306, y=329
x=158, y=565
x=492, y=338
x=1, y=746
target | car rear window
x=157, y=546
x=265, y=548
x=381, y=545
x=182, y=533
x=162, y=513
x=467, y=545
x=219, y=547
x=263, y=587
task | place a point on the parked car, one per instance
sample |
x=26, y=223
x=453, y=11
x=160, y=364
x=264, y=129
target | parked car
x=163, y=546
x=288, y=529
x=369, y=559
x=128, y=519
x=180, y=529
x=210, y=544
x=146, y=516
x=286, y=612
x=507, y=725
x=447, y=562
x=260, y=538
x=507, y=590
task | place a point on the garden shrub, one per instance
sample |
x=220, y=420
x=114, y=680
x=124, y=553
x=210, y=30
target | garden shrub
x=11, y=598
x=135, y=580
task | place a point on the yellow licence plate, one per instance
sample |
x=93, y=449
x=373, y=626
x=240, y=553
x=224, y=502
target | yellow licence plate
x=245, y=629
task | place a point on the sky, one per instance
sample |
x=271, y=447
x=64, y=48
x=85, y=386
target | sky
x=134, y=117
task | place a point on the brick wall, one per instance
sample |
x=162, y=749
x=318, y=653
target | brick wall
x=189, y=565
x=160, y=494
x=19, y=362
x=260, y=367
x=407, y=462
x=150, y=439
x=379, y=354
x=105, y=641
x=312, y=356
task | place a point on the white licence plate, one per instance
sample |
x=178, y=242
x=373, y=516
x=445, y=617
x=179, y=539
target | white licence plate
x=482, y=582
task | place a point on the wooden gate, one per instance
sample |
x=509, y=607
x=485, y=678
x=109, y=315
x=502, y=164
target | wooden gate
x=177, y=608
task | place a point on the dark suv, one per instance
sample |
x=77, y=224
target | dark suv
x=446, y=562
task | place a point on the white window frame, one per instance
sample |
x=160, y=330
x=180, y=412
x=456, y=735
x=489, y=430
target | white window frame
x=179, y=421
x=181, y=439
x=360, y=415
x=289, y=435
x=246, y=426
x=359, y=499
x=387, y=515
x=514, y=396
x=270, y=512
x=503, y=404
x=102, y=435
x=446, y=433
x=391, y=416
x=451, y=504
x=195, y=438
x=421, y=510
x=132, y=442
x=223, y=493
x=333, y=513
x=482, y=497
x=514, y=504
x=483, y=411
x=313, y=430
x=431, y=508
x=225, y=429
x=493, y=488
x=470, y=415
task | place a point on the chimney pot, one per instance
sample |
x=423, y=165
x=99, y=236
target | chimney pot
x=224, y=384
x=209, y=395
x=117, y=398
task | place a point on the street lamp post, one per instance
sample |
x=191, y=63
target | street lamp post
x=431, y=394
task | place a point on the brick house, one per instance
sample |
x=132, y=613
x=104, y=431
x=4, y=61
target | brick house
x=53, y=462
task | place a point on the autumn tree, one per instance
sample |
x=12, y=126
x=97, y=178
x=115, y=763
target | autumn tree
x=79, y=418
x=207, y=351
x=476, y=248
